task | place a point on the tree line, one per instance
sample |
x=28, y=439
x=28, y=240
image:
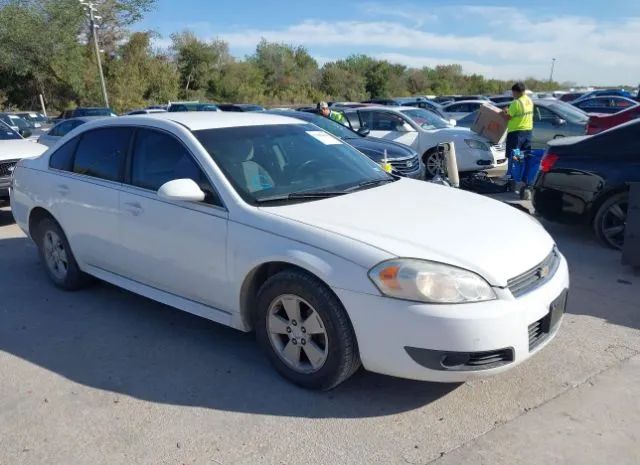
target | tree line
x=45, y=49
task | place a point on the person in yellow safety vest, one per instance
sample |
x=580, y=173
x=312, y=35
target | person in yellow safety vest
x=336, y=116
x=519, y=116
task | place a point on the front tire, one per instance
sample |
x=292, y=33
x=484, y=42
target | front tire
x=57, y=257
x=610, y=221
x=305, y=331
x=434, y=163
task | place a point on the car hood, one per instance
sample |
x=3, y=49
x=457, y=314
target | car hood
x=20, y=148
x=410, y=218
x=374, y=148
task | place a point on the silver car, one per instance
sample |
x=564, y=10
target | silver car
x=51, y=137
x=458, y=110
x=551, y=119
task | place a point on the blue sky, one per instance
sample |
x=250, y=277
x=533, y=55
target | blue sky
x=594, y=42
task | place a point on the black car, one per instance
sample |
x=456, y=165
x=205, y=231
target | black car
x=192, y=106
x=239, y=107
x=584, y=180
x=85, y=111
x=403, y=159
x=383, y=101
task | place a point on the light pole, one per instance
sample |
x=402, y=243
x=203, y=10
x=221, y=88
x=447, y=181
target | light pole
x=553, y=65
x=90, y=9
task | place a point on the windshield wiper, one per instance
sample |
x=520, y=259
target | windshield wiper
x=301, y=196
x=372, y=183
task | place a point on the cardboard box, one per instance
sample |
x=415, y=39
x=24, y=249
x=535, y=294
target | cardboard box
x=490, y=123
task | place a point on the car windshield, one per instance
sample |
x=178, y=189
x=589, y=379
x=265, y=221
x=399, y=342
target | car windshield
x=569, y=112
x=6, y=133
x=94, y=112
x=425, y=119
x=270, y=162
x=20, y=122
x=334, y=128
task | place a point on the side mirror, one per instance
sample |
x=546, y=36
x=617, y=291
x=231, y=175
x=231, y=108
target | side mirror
x=453, y=122
x=557, y=121
x=364, y=132
x=185, y=190
x=25, y=133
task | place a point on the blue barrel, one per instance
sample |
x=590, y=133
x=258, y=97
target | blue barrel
x=526, y=168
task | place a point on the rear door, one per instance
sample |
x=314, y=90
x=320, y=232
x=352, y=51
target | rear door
x=88, y=173
x=177, y=247
x=389, y=125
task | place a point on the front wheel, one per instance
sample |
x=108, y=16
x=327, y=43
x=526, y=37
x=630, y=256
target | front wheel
x=611, y=220
x=434, y=163
x=305, y=331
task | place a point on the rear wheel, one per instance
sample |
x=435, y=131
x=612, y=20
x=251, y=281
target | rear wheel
x=305, y=331
x=611, y=220
x=56, y=254
x=434, y=163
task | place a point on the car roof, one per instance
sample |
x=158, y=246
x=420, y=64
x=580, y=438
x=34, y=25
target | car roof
x=196, y=121
x=464, y=101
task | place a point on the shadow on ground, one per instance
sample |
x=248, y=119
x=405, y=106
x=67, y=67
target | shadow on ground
x=607, y=289
x=113, y=340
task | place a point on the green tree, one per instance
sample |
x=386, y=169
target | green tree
x=198, y=62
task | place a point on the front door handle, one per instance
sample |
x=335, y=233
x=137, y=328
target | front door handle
x=134, y=208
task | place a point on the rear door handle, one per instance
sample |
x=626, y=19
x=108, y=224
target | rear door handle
x=133, y=207
x=63, y=189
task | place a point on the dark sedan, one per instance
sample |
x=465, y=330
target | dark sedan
x=584, y=180
x=403, y=159
x=608, y=105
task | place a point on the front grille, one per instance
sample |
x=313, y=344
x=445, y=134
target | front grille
x=536, y=276
x=6, y=168
x=406, y=165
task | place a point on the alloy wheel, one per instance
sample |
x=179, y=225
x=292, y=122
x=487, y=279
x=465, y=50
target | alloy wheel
x=614, y=222
x=435, y=163
x=297, y=333
x=55, y=255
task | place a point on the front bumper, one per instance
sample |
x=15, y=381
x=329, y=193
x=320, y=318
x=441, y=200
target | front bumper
x=386, y=328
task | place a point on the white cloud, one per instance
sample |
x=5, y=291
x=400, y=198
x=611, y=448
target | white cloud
x=511, y=44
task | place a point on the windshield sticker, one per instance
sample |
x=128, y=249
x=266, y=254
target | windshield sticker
x=326, y=139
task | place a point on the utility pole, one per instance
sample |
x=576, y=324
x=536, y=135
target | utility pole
x=94, y=33
x=553, y=65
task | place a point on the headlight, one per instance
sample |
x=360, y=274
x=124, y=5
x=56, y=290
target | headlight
x=477, y=144
x=423, y=281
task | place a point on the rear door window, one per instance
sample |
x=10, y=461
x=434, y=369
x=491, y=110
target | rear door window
x=62, y=158
x=101, y=153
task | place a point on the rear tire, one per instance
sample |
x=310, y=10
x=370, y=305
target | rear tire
x=610, y=220
x=57, y=256
x=305, y=331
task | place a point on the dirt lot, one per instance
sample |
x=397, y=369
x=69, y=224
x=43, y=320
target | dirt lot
x=103, y=376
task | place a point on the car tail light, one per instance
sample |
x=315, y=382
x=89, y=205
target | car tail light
x=547, y=162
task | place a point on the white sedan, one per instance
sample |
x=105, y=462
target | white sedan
x=13, y=147
x=267, y=223
x=423, y=131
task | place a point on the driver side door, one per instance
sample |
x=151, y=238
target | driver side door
x=175, y=246
x=391, y=126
